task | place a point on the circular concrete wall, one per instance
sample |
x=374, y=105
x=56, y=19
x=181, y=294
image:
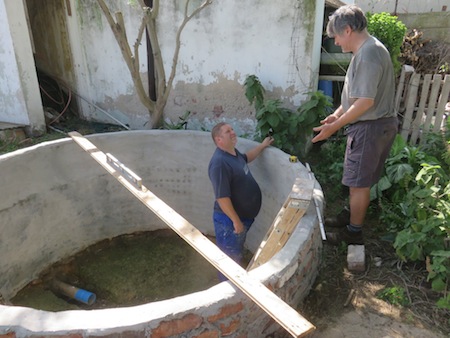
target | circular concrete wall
x=56, y=201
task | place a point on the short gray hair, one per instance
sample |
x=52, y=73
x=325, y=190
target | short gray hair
x=349, y=15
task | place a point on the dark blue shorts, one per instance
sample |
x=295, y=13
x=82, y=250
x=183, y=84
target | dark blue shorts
x=368, y=146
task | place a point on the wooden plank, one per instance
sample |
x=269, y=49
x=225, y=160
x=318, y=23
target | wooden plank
x=341, y=59
x=280, y=311
x=400, y=88
x=337, y=78
x=410, y=104
x=416, y=125
x=443, y=99
x=285, y=222
x=432, y=103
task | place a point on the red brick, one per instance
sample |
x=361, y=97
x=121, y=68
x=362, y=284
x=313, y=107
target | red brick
x=208, y=334
x=177, y=326
x=8, y=335
x=231, y=328
x=69, y=335
x=226, y=311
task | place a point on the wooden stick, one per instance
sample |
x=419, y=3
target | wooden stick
x=280, y=311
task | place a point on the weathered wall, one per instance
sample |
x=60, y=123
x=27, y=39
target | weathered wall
x=279, y=41
x=404, y=6
x=11, y=95
x=222, y=45
x=432, y=17
x=434, y=25
x=20, y=101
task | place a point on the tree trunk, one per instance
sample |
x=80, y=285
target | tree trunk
x=154, y=106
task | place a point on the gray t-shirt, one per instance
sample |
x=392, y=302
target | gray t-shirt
x=371, y=75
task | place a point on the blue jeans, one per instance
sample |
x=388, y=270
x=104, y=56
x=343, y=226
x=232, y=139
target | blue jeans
x=227, y=240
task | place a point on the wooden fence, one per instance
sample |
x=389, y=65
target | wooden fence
x=421, y=101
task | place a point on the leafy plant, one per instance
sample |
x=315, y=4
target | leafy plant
x=390, y=31
x=291, y=130
x=414, y=199
x=182, y=124
x=332, y=153
x=395, y=295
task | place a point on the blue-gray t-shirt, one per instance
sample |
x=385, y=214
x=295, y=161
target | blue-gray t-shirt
x=231, y=177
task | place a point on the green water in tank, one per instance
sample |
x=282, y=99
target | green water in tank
x=124, y=271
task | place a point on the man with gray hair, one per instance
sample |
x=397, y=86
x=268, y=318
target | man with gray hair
x=367, y=108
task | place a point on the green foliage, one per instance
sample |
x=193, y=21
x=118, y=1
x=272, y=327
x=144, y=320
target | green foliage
x=291, y=130
x=438, y=144
x=414, y=196
x=395, y=295
x=332, y=153
x=6, y=147
x=182, y=124
x=390, y=31
x=254, y=91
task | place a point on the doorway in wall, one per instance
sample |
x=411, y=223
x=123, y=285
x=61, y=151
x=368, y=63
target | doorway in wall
x=47, y=21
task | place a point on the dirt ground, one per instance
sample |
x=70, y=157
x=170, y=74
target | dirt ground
x=348, y=304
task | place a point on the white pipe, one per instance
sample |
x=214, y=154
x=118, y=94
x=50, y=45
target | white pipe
x=319, y=215
x=103, y=111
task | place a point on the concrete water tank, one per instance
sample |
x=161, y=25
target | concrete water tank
x=56, y=201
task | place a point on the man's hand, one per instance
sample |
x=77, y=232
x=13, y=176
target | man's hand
x=267, y=141
x=254, y=152
x=238, y=227
x=326, y=129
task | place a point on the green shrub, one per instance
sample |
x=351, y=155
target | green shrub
x=414, y=199
x=390, y=31
x=292, y=130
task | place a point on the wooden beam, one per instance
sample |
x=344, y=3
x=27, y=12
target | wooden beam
x=285, y=222
x=280, y=311
x=337, y=78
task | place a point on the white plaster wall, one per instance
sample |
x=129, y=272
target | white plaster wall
x=226, y=42
x=403, y=6
x=23, y=104
x=12, y=101
x=101, y=74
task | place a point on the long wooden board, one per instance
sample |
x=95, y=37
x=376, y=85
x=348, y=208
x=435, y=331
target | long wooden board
x=274, y=306
x=285, y=222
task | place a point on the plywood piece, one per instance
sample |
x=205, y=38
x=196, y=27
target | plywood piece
x=285, y=222
x=274, y=306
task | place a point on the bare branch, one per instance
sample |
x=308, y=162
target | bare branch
x=119, y=31
x=148, y=21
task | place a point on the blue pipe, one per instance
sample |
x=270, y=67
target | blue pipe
x=73, y=292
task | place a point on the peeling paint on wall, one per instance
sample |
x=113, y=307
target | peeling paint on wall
x=219, y=48
x=12, y=102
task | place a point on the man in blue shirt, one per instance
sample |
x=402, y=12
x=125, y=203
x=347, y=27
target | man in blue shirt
x=238, y=196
